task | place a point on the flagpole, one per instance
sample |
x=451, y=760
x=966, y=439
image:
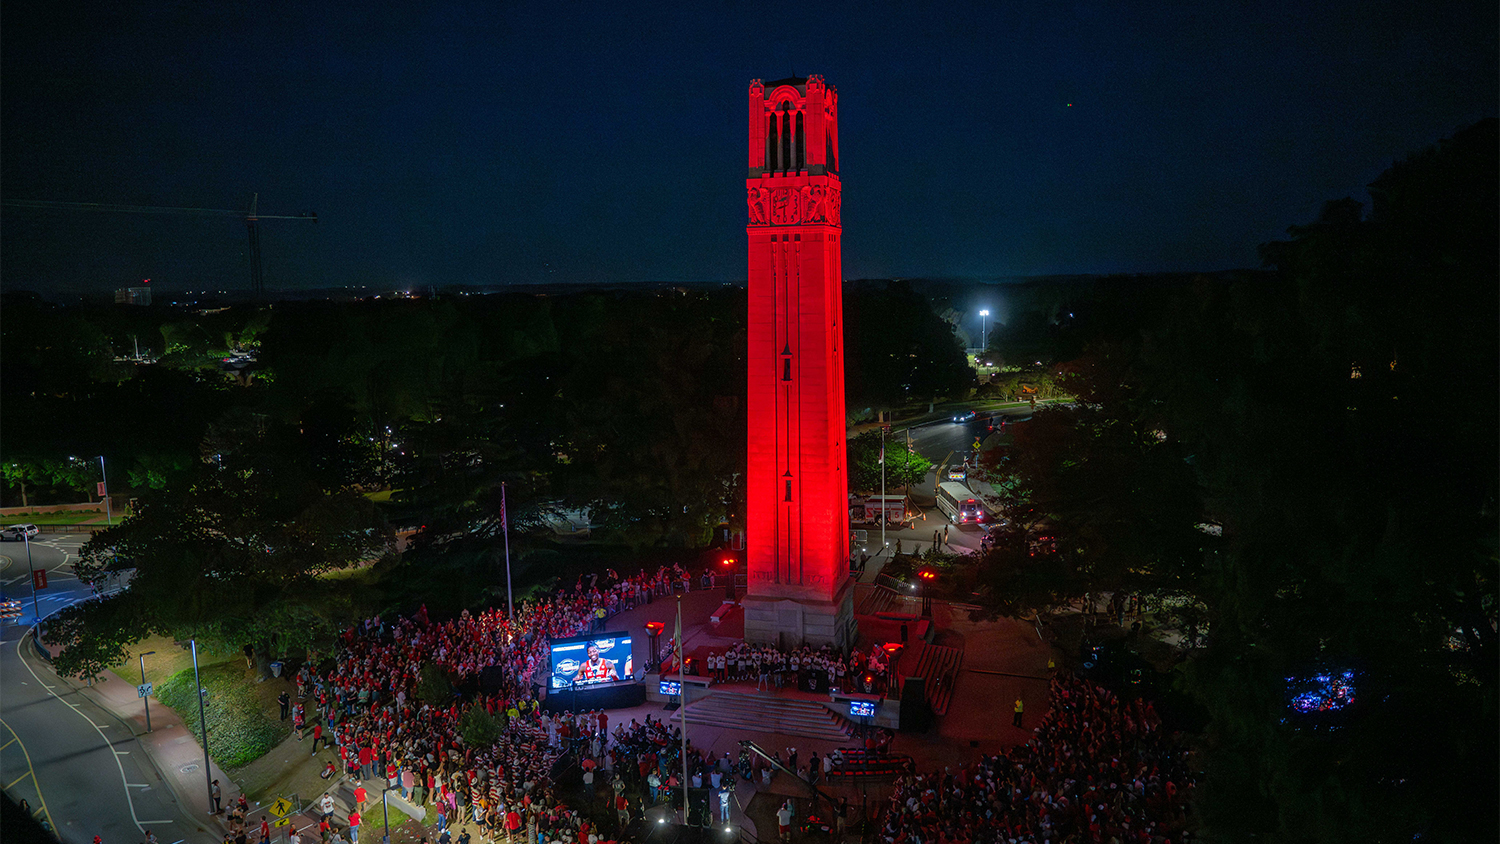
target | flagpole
x=682, y=675
x=884, y=515
x=510, y=600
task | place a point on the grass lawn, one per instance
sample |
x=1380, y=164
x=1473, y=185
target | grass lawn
x=168, y=660
x=63, y=517
x=241, y=713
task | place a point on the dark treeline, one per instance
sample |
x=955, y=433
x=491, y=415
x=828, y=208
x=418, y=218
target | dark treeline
x=624, y=410
x=1304, y=464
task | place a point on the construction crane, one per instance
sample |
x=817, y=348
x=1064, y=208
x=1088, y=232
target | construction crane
x=251, y=218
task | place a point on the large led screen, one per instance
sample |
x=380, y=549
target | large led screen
x=592, y=660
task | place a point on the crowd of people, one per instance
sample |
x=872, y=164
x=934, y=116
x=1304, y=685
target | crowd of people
x=768, y=666
x=1098, y=769
x=366, y=705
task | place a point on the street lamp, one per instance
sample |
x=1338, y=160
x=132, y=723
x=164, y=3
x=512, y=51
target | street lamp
x=144, y=699
x=36, y=613
x=927, y=576
x=208, y=774
x=984, y=327
x=728, y=563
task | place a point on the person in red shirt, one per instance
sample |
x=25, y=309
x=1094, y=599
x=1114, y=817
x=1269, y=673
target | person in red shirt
x=622, y=807
x=360, y=795
x=265, y=830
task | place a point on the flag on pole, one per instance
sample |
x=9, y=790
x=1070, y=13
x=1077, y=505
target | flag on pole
x=882, y=452
x=504, y=519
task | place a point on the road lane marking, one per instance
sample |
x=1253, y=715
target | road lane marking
x=8, y=744
x=129, y=801
x=41, y=798
x=12, y=783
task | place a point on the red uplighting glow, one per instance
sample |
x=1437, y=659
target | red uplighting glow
x=797, y=520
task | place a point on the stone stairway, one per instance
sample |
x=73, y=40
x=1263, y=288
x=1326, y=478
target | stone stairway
x=766, y=713
x=880, y=599
x=939, y=665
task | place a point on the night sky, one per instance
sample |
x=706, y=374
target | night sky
x=519, y=143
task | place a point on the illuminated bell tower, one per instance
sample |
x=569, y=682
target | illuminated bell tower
x=797, y=519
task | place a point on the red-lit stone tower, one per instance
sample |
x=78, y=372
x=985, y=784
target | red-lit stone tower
x=797, y=520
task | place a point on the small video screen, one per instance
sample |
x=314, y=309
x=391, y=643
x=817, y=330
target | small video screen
x=670, y=687
x=861, y=709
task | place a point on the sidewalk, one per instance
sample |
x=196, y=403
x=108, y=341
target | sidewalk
x=172, y=749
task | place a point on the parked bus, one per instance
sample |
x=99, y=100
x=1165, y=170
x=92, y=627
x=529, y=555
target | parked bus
x=959, y=504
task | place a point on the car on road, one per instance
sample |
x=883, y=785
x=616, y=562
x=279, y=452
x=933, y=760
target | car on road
x=966, y=417
x=16, y=533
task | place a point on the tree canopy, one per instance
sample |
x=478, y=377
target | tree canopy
x=231, y=554
x=1311, y=420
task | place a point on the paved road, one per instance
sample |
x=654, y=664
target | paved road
x=78, y=766
x=944, y=443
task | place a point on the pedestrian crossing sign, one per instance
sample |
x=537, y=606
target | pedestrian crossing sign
x=281, y=807
x=282, y=822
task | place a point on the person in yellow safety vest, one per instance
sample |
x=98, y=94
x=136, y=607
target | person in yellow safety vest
x=1020, y=708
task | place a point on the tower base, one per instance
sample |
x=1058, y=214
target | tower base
x=791, y=622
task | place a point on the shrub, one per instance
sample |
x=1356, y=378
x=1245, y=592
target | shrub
x=433, y=685
x=481, y=729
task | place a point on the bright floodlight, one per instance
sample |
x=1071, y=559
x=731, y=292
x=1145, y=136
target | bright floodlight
x=984, y=313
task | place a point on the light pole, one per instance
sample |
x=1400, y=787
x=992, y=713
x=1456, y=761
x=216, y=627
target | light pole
x=144, y=699
x=108, y=517
x=36, y=613
x=385, y=811
x=884, y=516
x=984, y=328
x=208, y=776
